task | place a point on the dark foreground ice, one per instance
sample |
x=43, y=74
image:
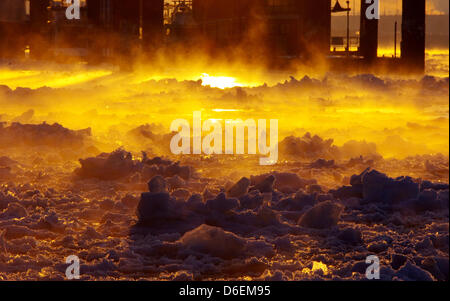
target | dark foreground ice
x=152, y=218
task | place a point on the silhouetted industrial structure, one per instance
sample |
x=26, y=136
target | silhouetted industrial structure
x=180, y=24
x=115, y=24
x=413, y=33
x=289, y=28
x=368, y=35
x=14, y=27
x=106, y=28
x=412, y=41
x=123, y=25
x=282, y=30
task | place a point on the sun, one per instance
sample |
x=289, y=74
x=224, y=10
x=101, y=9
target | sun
x=221, y=82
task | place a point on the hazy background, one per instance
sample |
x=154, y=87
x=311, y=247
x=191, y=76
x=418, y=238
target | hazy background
x=392, y=7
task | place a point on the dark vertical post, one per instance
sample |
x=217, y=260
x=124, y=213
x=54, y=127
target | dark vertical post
x=141, y=18
x=395, y=39
x=368, y=45
x=152, y=23
x=94, y=11
x=348, y=27
x=39, y=34
x=314, y=20
x=327, y=26
x=413, y=34
x=39, y=13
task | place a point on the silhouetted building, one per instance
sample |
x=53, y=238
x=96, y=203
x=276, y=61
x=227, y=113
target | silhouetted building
x=106, y=28
x=271, y=28
x=286, y=28
x=121, y=26
x=182, y=26
x=14, y=19
x=413, y=34
x=68, y=37
x=413, y=37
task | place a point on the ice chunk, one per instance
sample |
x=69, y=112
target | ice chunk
x=378, y=247
x=195, y=203
x=290, y=182
x=14, y=210
x=156, y=207
x=266, y=216
x=428, y=201
x=308, y=147
x=322, y=163
x=398, y=260
x=370, y=81
x=239, y=189
x=374, y=184
x=182, y=194
x=176, y=182
x=322, y=216
x=284, y=182
x=259, y=248
x=157, y=185
x=298, y=203
x=411, y=272
x=214, y=241
x=351, y=236
x=15, y=231
x=347, y=192
x=222, y=204
x=184, y=172
x=251, y=200
x=378, y=187
x=266, y=185
x=443, y=197
x=438, y=267
x=113, y=166
x=435, y=186
x=130, y=200
x=44, y=134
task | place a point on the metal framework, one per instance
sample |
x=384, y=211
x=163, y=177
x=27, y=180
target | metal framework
x=171, y=9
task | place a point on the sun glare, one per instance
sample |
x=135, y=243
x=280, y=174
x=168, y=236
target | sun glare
x=221, y=82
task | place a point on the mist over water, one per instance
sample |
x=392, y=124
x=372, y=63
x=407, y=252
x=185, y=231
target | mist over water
x=412, y=110
x=86, y=169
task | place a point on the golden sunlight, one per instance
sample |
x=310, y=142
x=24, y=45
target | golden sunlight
x=221, y=82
